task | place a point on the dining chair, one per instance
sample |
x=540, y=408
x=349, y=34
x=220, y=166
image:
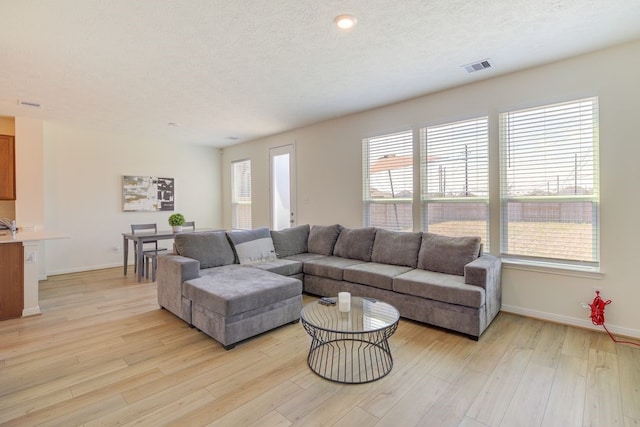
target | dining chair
x=148, y=252
x=151, y=258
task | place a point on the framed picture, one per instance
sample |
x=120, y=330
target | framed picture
x=147, y=193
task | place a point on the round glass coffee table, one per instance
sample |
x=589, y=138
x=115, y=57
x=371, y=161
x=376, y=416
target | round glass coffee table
x=350, y=347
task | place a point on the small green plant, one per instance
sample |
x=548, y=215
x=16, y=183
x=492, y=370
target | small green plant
x=176, y=219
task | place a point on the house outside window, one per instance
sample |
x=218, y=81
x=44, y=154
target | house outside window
x=550, y=184
x=388, y=181
x=455, y=179
x=241, y=194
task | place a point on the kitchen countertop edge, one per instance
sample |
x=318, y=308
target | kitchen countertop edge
x=28, y=236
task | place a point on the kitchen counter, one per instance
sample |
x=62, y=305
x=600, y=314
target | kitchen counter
x=28, y=269
x=29, y=236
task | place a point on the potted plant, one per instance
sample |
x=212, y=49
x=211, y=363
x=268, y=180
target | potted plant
x=176, y=221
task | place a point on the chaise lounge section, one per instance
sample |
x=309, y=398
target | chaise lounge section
x=230, y=302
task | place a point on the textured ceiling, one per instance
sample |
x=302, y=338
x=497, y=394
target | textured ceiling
x=225, y=69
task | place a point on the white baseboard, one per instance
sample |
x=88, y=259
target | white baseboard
x=582, y=323
x=89, y=268
x=31, y=311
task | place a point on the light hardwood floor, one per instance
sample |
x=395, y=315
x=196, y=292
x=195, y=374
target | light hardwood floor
x=103, y=353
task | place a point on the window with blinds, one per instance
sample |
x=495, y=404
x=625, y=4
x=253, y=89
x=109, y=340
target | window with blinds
x=241, y=194
x=455, y=178
x=388, y=181
x=549, y=182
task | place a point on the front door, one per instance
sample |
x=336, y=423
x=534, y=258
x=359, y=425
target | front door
x=283, y=188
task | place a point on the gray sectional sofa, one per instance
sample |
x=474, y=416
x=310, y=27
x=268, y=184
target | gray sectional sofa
x=237, y=284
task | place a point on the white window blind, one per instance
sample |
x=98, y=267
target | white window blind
x=549, y=182
x=241, y=194
x=388, y=181
x=455, y=177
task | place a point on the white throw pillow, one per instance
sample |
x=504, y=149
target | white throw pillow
x=252, y=245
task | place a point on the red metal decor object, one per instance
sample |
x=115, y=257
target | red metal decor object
x=597, y=316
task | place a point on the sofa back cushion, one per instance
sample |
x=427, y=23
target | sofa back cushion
x=252, y=245
x=447, y=254
x=396, y=248
x=355, y=243
x=291, y=241
x=211, y=248
x=322, y=238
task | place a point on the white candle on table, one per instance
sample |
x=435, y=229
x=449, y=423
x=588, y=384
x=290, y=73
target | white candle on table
x=344, y=301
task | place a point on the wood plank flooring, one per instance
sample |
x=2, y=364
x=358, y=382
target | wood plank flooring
x=103, y=353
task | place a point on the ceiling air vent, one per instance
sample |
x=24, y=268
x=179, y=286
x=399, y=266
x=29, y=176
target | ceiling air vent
x=477, y=66
x=31, y=104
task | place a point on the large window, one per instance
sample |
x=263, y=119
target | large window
x=241, y=194
x=388, y=181
x=549, y=182
x=455, y=179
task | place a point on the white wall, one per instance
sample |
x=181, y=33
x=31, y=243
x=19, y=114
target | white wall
x=29, y=204
x=29, y=173
x=83, y=191
x=330, y=174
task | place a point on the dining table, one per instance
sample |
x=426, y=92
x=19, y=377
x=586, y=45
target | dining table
x=140, y=238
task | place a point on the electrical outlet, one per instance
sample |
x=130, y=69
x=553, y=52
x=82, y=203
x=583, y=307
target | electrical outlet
x=31, y=258
x=116, y=249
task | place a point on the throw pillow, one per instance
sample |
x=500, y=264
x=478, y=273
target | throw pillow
x=252, y=245
x=447, y=254
x=355, y=243
x=211, y=248
x=291, y=241
x=322, y=238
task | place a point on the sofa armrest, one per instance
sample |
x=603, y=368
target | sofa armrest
x=486, y=272
x=483, y=271
x=173, y=270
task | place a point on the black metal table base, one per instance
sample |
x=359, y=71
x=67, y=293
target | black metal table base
x=350, y=358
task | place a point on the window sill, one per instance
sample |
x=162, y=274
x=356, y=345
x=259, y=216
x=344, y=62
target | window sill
x=552, y=268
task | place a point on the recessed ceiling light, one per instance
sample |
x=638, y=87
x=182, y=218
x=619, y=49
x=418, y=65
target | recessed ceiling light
x=345, y=21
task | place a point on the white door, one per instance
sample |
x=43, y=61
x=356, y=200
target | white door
x=283, y=187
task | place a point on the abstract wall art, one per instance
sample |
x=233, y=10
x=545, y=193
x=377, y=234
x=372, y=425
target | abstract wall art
x=147, y=193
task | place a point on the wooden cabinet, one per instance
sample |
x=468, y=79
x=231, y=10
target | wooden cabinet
x=7, y=168
x=11, y=280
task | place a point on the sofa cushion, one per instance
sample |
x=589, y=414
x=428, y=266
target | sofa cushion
x=322, y=238
x=284, y=267
x=442, y=287
x=396, y=247
x=252, y=245
x=374, y=274
x=290, y=241
x=447, y=254
x=355, y=243
x=329, y=266
x=211, y=248
x=237, y=289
